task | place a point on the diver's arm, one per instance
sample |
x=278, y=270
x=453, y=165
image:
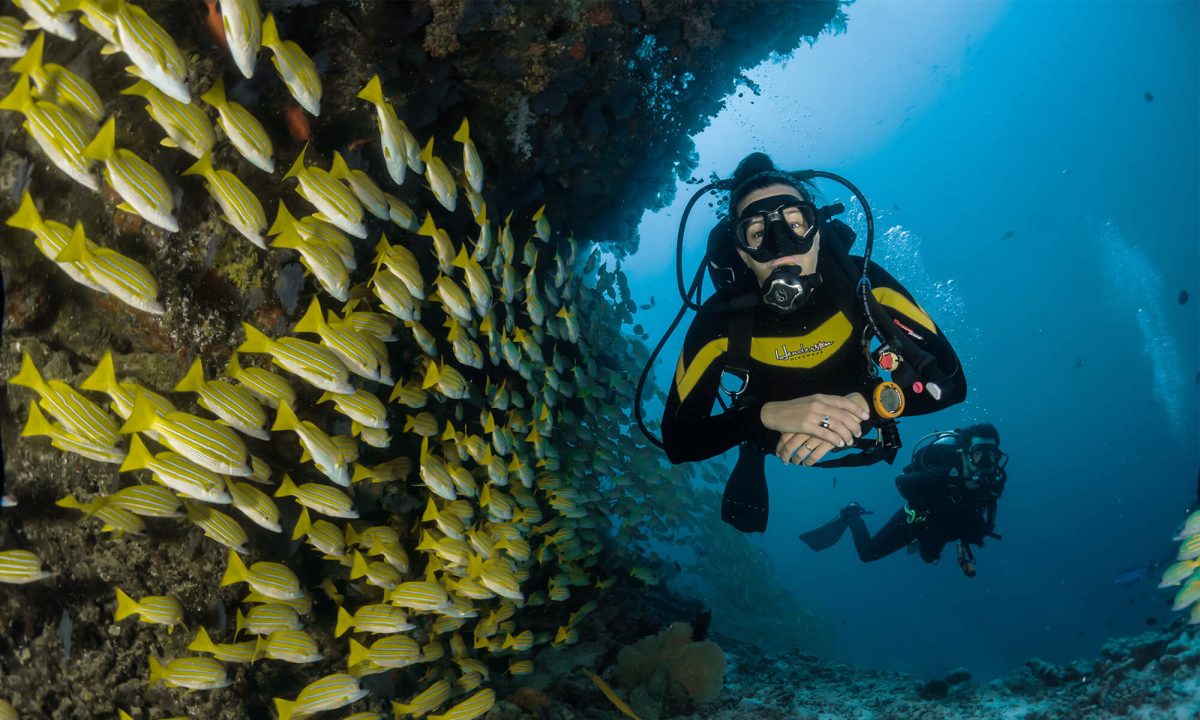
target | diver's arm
x=912, y=320
x=689, y=429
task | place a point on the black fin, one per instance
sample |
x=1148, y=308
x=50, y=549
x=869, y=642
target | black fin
x=744, y=504
x=827, y=535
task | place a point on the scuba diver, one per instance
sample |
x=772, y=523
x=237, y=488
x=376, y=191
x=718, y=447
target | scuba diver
x=802, y=329
x=950, y=491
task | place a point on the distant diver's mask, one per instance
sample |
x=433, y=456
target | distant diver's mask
x=986, y=457
x=772, y=228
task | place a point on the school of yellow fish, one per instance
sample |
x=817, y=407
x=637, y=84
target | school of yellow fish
x=515, y=472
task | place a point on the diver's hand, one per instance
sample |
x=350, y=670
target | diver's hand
x=801, y=448
x=804, y=415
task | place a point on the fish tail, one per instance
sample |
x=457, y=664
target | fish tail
x=76, y=249
x=345, y=621
x=359, y=568
x=431, y=511
x=358, y=653
x=303, y=525
x=203, y=166
x=103, y=378
x=373, y=91
x=235, y=571
x=215, y=95
x=156, y=671
x=31, y=62
x=358, y=474
x=138, y=457
x=126, y=606
x=298, y=163
x=234, y=368
x=193, y=380
x=141, y=88
x=37, y=425
x=142, y=417
x=339, y=169
x=427, y=227
x=259, y=651
x=20, y=98
x=29, y=376
x=285, y=708
x=270, y=34
x=463, y=135
x=239, y=624
x=256, y=341
x=286, y=419
x=27, y=216
x=312, y=321
x=427, y=152
x=104, y=145
x=203, y=643
x=286, y=486
x=284, y=220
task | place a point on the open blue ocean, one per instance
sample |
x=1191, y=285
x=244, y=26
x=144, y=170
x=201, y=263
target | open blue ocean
x=1034, y=173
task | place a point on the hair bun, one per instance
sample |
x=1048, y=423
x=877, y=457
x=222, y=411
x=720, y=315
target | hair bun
x=751, y=165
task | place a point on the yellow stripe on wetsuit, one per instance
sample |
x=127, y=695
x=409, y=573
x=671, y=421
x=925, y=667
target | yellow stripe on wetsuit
x=896, y=301
x=801, y=351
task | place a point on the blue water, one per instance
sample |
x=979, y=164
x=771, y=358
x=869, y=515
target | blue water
x=963, y=123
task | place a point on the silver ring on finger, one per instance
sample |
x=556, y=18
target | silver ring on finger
x=825, y=422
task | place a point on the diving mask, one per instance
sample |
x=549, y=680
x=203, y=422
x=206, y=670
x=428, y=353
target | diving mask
x=986, y=456
x=775, y=227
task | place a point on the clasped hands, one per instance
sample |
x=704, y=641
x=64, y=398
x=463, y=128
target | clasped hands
x=815, y=424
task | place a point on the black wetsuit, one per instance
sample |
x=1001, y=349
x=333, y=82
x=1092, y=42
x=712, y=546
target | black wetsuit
x=940, y=509
x=814, y=350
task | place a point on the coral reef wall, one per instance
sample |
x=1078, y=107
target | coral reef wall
x=585, y=107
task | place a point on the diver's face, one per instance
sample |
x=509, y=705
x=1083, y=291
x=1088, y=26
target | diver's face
x=806, y=261
x=984, y=458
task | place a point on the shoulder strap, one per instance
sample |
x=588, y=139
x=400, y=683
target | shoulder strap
x=737, y=356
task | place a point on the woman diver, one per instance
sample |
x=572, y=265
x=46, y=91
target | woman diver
x=804, y=329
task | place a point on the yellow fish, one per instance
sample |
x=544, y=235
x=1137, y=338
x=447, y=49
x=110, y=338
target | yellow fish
x=244, y=130
x=18, y=567
x=59, y=85
x=59, y=133
x=336, y=203
x=241, y=208
x=441, y=182
x=242, y=20
x=472, y=165
x=202, y=441
x=393, y=136
x=194, y=673
x=272, y=579
x=156, y=609
x=49, y=15
x=363, y=187
x=363, y=354
x=315, y=364
x=295, y=67
x=12, y=38
x=177, y=472
x=186, y=125
x=329, y=693
x=143, y=189
x=156, y=57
